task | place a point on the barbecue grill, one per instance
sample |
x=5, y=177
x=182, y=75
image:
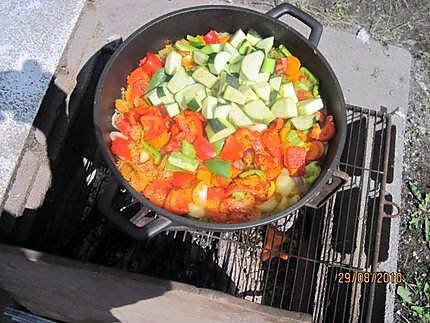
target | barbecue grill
x=348, y=234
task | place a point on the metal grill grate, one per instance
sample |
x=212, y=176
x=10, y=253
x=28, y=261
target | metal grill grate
x=339, y=237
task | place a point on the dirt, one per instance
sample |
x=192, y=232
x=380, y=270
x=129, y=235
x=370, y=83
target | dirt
x=406, y=24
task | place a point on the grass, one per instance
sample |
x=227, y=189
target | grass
x=416, y=295
x=420, y=218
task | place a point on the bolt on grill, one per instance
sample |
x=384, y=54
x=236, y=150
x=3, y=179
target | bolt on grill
x=293, y=263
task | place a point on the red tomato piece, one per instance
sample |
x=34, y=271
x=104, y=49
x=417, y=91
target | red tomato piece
x=153, y=126
x=316, y=150
x=177, y=201
x=211, y=37
x=150, y=63
x=232, y=150
x=217, y=193
x=191, y=123
x=205, y=150
x=272, y=142
x=295, y=160
x=120, y=148
x=324, y=132
x=182, y=179
x=157, y=191
x=124, y=126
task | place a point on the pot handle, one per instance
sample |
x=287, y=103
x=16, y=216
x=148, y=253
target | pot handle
x=308, y=20
x=338, y=179
x=147, y=231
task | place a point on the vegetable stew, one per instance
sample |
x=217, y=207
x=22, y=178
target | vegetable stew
x=221, y=127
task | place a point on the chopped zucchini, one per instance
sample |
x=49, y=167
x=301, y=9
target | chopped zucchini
x=235, y=68
x=263, y=90
x=212, y=48
x=153, y=97
x=172, y=109
x=194, y=95
x=268, y=65
x=275, y=83
x=178, y=81
x=251, y=65
x=309, y=107
x=220, y=61
x=262, y=77
x=235, y=56
x=238, y=118
x=208, y=107
x=284, y=108
x=303, y=122
x=234, y=95
x=245, y=48
x=202, y=75
x=238, y=37
x=222, y=111
x=309, y=75
x=258, y=111
x=253, y=37
x=200, y=58
x=287, y=91
x=248, y=93
x=266, y=44
x=217, y=129
x=173, y=62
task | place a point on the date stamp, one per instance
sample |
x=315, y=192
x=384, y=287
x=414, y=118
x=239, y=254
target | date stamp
x=367, y=278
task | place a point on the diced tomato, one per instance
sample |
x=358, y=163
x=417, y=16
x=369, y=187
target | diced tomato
x=232, y=149
x=211, y=37
x=161, y=140
x=319, y=116
x=177, y=201
x=123, y=125
x=316, y=150
x=272, y=142
x=324, y=132
x=303, y=94
x=295, y=160
x=138, y=81
x=150, y=63
x=191, y=123
x=276, y=124
x=182, y=179
x=157, y=191
x=153, y=126
x=205, y=150
x=281, y=65
x=120, y=148
x=221, y=181
x=216, y=193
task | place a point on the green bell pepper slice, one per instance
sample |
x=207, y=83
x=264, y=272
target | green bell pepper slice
x=219, y=167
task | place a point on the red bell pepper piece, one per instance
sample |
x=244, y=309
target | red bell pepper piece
x=324, y=132
x=182, y=179
x=191, y=124
x=211, y=37
x=272, y=142
x=124, y=126
x=295, y=160
x=150, y=63
x=120, y=148
x=205, y=150
x=217, y=193
x=232, y=149
x=138, y=81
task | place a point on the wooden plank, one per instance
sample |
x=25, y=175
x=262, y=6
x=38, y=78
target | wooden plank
x=71, y=291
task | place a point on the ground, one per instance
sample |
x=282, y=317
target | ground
x=406, y=24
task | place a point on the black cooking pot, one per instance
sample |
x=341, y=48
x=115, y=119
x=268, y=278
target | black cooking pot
x=198, y=20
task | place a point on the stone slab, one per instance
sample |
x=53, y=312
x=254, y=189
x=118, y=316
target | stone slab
x=34, y=35
x=45, y=284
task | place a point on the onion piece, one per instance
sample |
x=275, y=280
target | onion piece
x=143, y=156
x=270, y=204
x=116, y=134
x=200, y=194
x=116, y=115
x=260, y=127
x=285, y=184
x=282, y=205
x=196, y=211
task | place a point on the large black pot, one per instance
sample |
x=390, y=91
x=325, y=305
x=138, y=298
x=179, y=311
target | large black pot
x=198, y=20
